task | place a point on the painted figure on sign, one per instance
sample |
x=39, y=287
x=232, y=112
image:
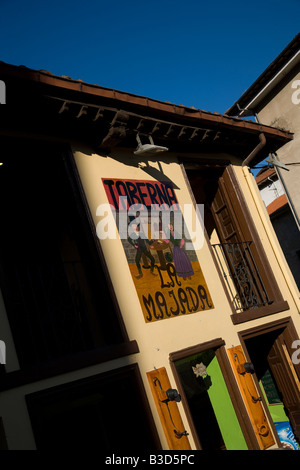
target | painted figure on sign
x=142, y=248
x=183, y=266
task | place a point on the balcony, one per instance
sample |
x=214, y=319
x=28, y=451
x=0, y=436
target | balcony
x=241, y=275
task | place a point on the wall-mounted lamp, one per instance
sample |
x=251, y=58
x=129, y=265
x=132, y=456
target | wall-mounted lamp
x=246, y=368
x=172, y=395
x=143, y=149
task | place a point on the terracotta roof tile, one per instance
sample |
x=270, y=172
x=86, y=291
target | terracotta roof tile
x=263, y=175
x=278, y=203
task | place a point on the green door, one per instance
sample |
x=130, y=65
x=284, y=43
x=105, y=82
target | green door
x=210, y=405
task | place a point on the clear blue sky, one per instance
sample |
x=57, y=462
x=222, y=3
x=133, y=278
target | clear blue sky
x=197, y=53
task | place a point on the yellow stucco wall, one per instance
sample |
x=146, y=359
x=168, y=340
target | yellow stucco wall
x=157, y=340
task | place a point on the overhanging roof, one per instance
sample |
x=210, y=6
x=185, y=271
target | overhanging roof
x=273, y=74
x=58, y=106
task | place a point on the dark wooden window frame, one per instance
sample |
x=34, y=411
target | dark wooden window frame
x=80, y=360
x=77, y=185
x=197, y=165
x=128, y=370
x=218, y=345
x=279, y=304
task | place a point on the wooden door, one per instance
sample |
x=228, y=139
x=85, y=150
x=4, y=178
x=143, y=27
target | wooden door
x=228, y=226
x=251, y=399
x=287, y=380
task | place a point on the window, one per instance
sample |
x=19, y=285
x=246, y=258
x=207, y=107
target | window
x=236, y=244
x=57, y=295
x=107, y=412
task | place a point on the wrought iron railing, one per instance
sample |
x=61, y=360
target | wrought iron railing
x=241, y=275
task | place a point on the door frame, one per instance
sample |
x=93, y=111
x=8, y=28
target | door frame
x=218, y=345
x=285, y=324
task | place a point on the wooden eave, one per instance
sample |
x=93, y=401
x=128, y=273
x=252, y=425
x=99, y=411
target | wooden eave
x=104, y=118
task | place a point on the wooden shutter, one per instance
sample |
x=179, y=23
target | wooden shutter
x=234, y=224
x=224, y=215
x=287, y=381
x=169, y=414
x=251, y=398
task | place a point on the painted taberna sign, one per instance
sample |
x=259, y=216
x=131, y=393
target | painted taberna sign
x=167, y=276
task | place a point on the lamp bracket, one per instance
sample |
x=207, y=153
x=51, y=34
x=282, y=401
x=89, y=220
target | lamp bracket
x=148, y=149
x=172, y=395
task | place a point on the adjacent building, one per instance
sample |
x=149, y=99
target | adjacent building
x=274, y=99
x=278, y=208
x=145, y=300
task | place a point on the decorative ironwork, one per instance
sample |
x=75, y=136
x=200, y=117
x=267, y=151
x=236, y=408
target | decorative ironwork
x=241, y=275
